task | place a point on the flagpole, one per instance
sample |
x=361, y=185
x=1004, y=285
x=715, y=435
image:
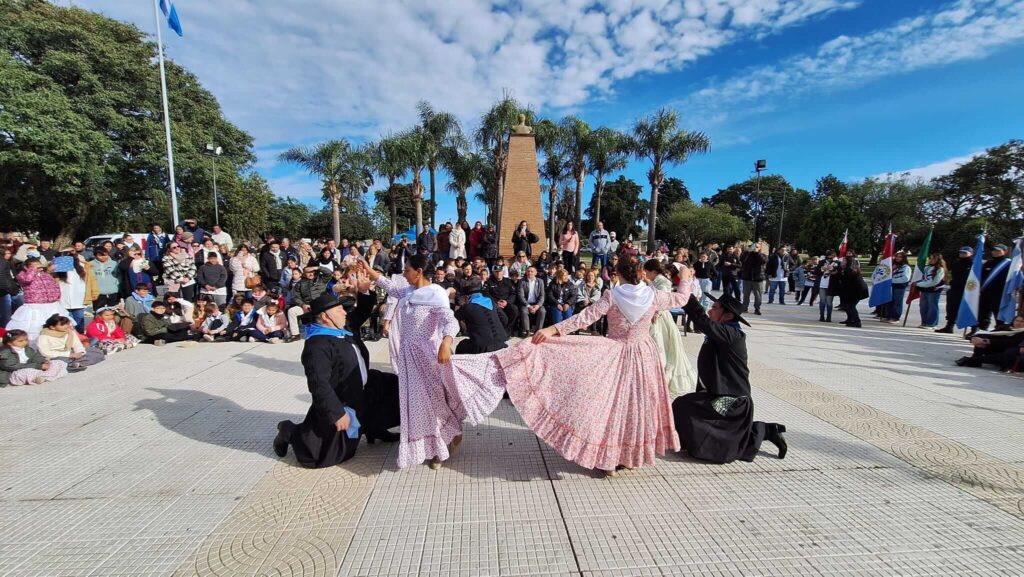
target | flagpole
x=167, y=116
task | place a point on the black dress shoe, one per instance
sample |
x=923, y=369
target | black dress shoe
x=284, y=433
x=968, y=362
x=948, y=329
x=774, y=436
x=383, y=436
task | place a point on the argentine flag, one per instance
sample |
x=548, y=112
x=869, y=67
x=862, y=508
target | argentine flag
x=172, y=17
x=881, y=279
x=968, y=315
x=1014, y=285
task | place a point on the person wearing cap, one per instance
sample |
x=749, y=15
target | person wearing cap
x=993, y=281
x=503, y=292
x=716, y=423
x=960, y=271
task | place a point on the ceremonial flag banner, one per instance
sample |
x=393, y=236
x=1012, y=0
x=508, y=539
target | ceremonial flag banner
x=881, y=279
x=1014, y=285
x=968, y=315
x=922, y=262
x=172, y=17
x=842, y=246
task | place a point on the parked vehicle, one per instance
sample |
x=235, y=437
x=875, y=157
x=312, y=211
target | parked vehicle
x=95, y=241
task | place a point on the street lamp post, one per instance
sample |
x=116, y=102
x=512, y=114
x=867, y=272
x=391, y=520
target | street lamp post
x=759, y=165
x=782, y=217
x=213, y=151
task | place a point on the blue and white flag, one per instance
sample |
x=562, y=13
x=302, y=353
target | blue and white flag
x=1014, y=285
x=172, y=17
x=968, y=315
x=881, y=279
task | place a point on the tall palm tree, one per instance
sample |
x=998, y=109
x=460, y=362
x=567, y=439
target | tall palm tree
x=575, y=144
x=608, y=153
x=389, y=162
x=555, y=170
x=356, y=174
x=442, y=131
x=325, y=160
x=415, y=152
x=465, y=169
x=659, y=139
x=492, y=136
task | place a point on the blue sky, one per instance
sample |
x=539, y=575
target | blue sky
x=855, y=88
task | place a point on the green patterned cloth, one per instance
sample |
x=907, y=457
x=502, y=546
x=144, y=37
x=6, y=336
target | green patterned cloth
x=721, y=405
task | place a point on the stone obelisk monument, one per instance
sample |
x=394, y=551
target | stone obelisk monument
x=522, y=200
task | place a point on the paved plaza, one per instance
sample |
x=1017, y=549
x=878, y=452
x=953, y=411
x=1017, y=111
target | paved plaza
x=159, y=462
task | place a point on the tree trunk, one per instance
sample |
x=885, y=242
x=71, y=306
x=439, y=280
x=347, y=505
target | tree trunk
x=580, y=177
x=417, y=197
x=653, y=220
x=66, y=236
x=462, y=206
x=551, y=218
x=599, y=190
x=433, y=201
x=335, y=220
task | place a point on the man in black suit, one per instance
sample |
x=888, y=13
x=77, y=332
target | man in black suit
x=1004, y=349
x=531, y=302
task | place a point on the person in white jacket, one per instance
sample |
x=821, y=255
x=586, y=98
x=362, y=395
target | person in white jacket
x=457, y=243
x=243, y=266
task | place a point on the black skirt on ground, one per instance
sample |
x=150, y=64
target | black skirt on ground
x=709, y=436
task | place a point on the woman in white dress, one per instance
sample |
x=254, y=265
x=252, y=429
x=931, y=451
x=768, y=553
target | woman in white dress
x=680, y=376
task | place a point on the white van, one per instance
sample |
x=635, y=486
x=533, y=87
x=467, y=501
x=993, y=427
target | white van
x=93, y=242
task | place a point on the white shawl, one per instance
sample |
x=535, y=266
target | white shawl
x=633, y=300
x=431, y=295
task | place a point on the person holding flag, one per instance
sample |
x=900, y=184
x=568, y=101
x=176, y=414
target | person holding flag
x=930, y=286
x=901, y=273
x=967, y=317
x=881, y=279
x=1013, y=290
x=960, y=271
x=993, y=280
x=922, y=264
x=842, y=245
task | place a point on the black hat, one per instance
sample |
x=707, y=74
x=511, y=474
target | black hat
x=320, y=305
x=730, y=304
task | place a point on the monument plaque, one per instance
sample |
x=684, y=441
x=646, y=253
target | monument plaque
x=522, y=190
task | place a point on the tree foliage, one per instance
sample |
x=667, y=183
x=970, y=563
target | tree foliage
x=691, y=225
x=622, y=209
x=825, y=224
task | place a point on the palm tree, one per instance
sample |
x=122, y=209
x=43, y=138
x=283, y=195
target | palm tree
x=659, y=139
x=554, y=170
x=575, y=144
x=442, y=131
x=608, y=153
x=415, y=152
x=389, y=162
x=356, y=175
x=492, y=137
x=326, y=161
x=465, y=169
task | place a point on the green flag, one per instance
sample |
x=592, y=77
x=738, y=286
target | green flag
x=922, y=262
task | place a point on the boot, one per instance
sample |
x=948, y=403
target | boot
x=821, y=318
x=384, y=436
x=968, y=362
x=284, y=431
x=773, y=435
x=828, y=319
x=948, y=329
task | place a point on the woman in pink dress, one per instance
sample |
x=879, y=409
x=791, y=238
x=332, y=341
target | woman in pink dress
x=433, y=401
x=619, y=414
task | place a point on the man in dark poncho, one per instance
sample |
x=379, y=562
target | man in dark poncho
x=349, y=398
x=716, y=423
x=485, y=325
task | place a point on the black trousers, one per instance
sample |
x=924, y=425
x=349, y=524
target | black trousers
x=953, y=305
x=512, y=315
x=569, y=260
x=987, y=309
x=731, y=286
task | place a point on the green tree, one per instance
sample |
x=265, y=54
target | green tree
x=574, y=144
x=465, y=169
x=415, y=151
x=329, y=162
x=356, y=223
x=387, y=159
x=555, y=170
x=659, y=139
x=401, y=205
x=823, y=229
x=894, y=204
x=81, y=126
x=623, y=209
x=762, y=205
x=672, y=191
x=492, y=137
x=692, y=225
x=442, y=131
x=829, y=185
x=288, y=217
x=247, y=207
x=608, y=153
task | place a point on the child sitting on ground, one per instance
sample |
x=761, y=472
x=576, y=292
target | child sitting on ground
x=271, y=325
x=21, y=364
x=59, y=342
x=215, y=325
x=107, y=334
x=243, y=323
x=158, y=329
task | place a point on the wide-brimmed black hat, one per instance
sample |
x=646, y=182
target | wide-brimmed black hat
x=321, y=304
x=730, y=304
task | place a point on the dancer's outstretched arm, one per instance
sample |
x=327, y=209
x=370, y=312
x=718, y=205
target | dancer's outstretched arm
x=382, y=281
x=589, y=316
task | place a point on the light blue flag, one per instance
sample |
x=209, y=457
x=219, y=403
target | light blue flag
x=172, y=17
x=881, y=279
x=1014, y=285
x=968, y=315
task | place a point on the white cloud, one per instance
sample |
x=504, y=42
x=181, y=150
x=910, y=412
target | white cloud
x=959, y=31
x=930, y=171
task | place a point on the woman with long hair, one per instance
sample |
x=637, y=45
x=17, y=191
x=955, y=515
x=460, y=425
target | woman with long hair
x=433, y=402
x=244, y=267
x=523, y=239
x=930, y=287
x=569, y=243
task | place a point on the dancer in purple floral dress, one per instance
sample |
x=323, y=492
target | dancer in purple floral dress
x=434, y=400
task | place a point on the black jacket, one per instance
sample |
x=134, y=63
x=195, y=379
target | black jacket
x=523, y=243
x=773, y=265
x=214, y=275
x=560, y=294
x=8, y=286
x=722, y=361
x=485, y=328
x=306, y=291
x=730, y=267
x=959, y=271
x=270, y=270
x=399, y=256
x=752, y=266
x=994, y=290
x=501, y=290
x=489, y=245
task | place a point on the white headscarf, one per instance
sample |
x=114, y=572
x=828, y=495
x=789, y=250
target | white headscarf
x=634, y=300
x=431, y=295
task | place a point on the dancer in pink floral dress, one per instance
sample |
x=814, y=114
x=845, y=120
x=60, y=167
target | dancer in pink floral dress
x=433, y=400
x=600, y=402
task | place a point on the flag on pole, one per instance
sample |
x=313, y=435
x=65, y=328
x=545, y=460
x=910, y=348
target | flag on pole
x=922, y=262
x=968, y=315
x=881, y=279
x=842, y=246
x=172, y=17
x=1014, y=285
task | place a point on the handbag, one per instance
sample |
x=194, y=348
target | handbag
x=253, y=281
